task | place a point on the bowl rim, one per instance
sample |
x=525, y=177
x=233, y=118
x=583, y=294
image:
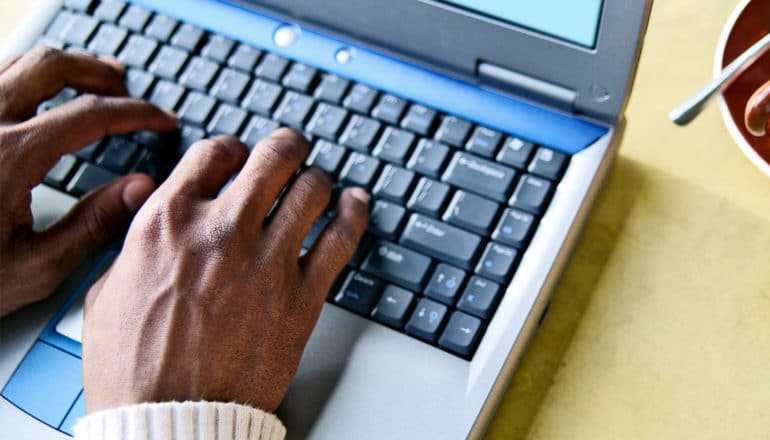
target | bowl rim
x=735, y=132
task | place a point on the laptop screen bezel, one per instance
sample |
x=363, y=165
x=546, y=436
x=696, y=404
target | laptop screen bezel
x=457, y=40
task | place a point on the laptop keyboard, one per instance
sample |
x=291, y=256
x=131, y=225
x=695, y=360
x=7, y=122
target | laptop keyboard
x=454, y=204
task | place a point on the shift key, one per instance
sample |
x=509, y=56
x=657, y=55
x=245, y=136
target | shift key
x=397, y=264
x=480, y=176
x=442, y=241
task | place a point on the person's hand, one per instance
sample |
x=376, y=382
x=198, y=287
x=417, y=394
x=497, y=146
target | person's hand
x=33, y=264
x=209, y=299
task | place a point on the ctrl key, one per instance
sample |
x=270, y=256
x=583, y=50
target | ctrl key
x=461, y=334
x=426, y=320
x=359, y=293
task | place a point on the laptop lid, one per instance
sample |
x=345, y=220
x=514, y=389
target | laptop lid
x=577, y=55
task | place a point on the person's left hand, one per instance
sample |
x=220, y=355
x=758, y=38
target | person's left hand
x=33, y=264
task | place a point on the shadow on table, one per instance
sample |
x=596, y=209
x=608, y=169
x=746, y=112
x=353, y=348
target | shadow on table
x=535, y=374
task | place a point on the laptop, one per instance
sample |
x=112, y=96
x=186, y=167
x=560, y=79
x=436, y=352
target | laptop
x=482, y=129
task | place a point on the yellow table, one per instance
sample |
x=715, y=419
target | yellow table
x=660, y=328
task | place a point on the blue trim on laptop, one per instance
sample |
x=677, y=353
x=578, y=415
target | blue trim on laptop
x=484, y=107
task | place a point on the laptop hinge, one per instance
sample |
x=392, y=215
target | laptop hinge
x=526, y=86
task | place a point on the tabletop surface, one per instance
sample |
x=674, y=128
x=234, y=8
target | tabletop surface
x=660, y=327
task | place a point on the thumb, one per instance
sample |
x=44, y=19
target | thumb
x=98, y=218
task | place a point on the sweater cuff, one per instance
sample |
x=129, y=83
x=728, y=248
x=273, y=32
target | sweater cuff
x=181, y=421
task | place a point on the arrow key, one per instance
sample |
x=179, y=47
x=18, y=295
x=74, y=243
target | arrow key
x=393, y=305
x=426, y=320
x=461, y=335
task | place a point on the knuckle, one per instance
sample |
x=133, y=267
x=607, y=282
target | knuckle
x=158, y=219
x=314, y=185
x=214, y=150
x=46, y=56
x=286, y=150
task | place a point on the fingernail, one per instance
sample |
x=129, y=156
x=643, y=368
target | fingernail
x=169, y=113
x=360, y=194
x=115, y=63
x=136, y=192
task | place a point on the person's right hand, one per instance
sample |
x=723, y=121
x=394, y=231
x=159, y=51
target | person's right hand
x=208, y=300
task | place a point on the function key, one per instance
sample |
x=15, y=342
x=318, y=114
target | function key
x=515, y=228
x=461, y=334
x=548, y=163
x=360, y=133
x=429, y=157
x=230, y=85
x=480, y=176
x=389, y=109
x=327, y=121
x=107, y=40
x=332, y=88
x=218, y=48
x=87, y=178
x=394, y=145
x=516, y=152
x=138, y=51
x=393, y=306
x=445, y=284
x=294, y=109
x=532, y=194
x=244, y=58
x=109, y=10
x=262, y=97
x=135, y=18
x=188, y=37
x=360, y=99
x=498, y=262
x=429, y=196
x=57, y=176
x=453, y=131
x=471, y=212
x=169, y=62
x=419, y=119
x=300, y=77
x=426, y=320
x=386, y=219
x=272, y=67
x=161, y=27
x=360, y=170
x=484, y=142
x=480, y=297
x=359, y=293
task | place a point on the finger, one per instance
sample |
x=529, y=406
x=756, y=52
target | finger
x=43, y=72
x=304, y=201
x=42, y=140
x=338, y=241
x=271, y=165
x=8, y=63
x=93, y=222
x=206, y=168
x=758, y=111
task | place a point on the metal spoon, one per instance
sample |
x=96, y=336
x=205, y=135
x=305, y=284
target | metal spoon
x=685, y=112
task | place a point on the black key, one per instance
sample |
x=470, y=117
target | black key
x=90, y=151
x=453, y=131
x=199, y=74
x=149, y=140
x=262, y=97
x=218, y=48
x=327, y=121
x=78, y=5
x=472, y=212
x=461, y=334
x=426, y=320
x=429, y=196
x=272, y=67
x=398, y=265
x=389, y=109
x=58, y=175
x=168, y=62
x=480, y=297
x=480, y=176
x=135, y=18
x=484, y=142
x=88, y=177
x=419, y=119
x=77, y=29
x=300, y=77
x=394, y=183
x=327, y=156
x=294, y=109
x=227, y=120
x=107, y=40
x=394, y=145
x=360, y=170
x=244, y=58
x=315, y=231
x=532, y=194
x=429, y=158
x=515, y=228
x=161, y=27
x=138, y=51
x=516, y=152
x=118, y=154
x=197, y=108
x=332, y=88
x=440, y=240
x=498, y=262
x=156, y=163
x=257, y=129
x=188, y=135
x=393, y=306
x=360, y=133
x=359, y=293
x=360, y=98
x=187, y=37
x=386, y=218
x=230, y=85
x=166, y=94
x=138, y=82
x=548, y=163
x=445, y=284
x=109, y=10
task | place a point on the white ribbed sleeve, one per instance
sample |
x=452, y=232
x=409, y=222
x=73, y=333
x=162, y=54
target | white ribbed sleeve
x=181, y=421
